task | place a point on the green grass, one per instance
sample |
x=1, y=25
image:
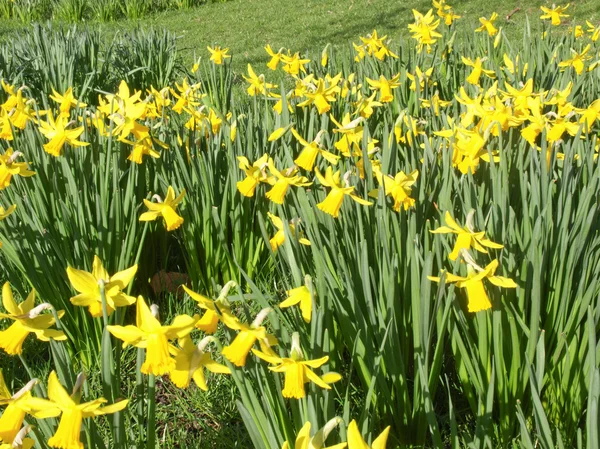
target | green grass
x=245, y=26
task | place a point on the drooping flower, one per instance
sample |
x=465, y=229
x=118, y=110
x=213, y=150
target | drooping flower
x=488, y=25
x=89, y=284
x=149, y=334
x=355, y=439
x=56, y=130
x=237, y=351
x=258, y=85
x=27, y=319
x=66, y=101
x=577, y=60
x=477, y=298
x=300, y=295
x=285, y=179
x=166, y=209
x=209, y=321
x=467, y=237
x=279, y=238
x=20, y=441
x=478, y=70
x=275, y=57
x=398, y=187
x=255, y=174
x=9, y=167
x=333, y=202
x=190, y=362
x=385, y=86
x=308, y=156
x=297, y=370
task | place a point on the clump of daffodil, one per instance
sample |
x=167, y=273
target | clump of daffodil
x=90, y=287
x=237, y=351
x=9, y=167
x=149, y=334
x=279, y=238
x=72, y=412
x=301, y=295
x=308, y=156
x=190, y=362
x=27, y=319
x=297, y=370
x=355, y=439
x=166, y=209
x=317, y=441
x=218, y=54
x=555, y=14
x=477, y=298
x=209, y=321
x=17, y=406
x=255, y=174
x=398, y=187
x=467, y=237
x=333, y=201
x=488, y=25
x=373, y=45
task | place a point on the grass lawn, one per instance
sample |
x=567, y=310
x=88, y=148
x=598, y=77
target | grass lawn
x=245, y=26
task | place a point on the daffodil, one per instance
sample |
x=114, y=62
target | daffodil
x=424, y=30
x=478, y=70
x=294, y=64
x=209, y=321
x=297, y=370
x=58, y=133
x=352, y=136
x=17, y=406
x=66, y=101
x=237, y=351
x=593, y=30
x=149, y=334
x=125, y=110
x=218, y=54
x=9, y=167
x=467, y=237
x=477, y=298
x=321, y=96
x=279, y=238
x=258, y=85
x=355, y=439
x=166, y=209
x=398, y=187
x=366, y=105
x=20, y=441
x=190, y=362
x=144, y=147
x=89, y=286
x=555, y=14
x=72, y=412
x=487, y=25
x=384, y=86
x=300, y=295
x=275, y=57
x=577, y=60
x=317, y=441
x=308, y=156
x=285, y=179
x=255, y=174
x=27, y=319
x=333, y=201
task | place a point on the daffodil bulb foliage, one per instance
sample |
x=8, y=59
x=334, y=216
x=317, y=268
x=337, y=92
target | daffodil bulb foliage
x=477, y=297
x=72, y=412
x=356, y=441
x=297, y=370
x=190, y=362
x=165, y=209
x=248, y=335
x=27, y=318
x=466, y=236
x=150, y=335
x=92, y=287
x=317, y=441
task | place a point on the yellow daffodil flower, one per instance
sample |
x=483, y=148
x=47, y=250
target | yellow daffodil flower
x=66, y=101
x=555, y=14
x=149, y=334
x=144, y=147
x=297, y=370
x=355, y=439
x=27, y=319
x=275, y=57
x=255, y=174
x=365, y=105
x=300, y=295
x=209, y=321
x=577, y=60
x=398, y=187
x=384, y=86
x=88, y=285
x=308, y=156
x=286, y=179
x=293, y=65
x=9, y=168
x=56, y=131
x=424, y=30
x=279, y=238
x=477, y=71
x=258, y=85
x=467, y=237
x=477, y=298
x=317, y=441
x=488, y=25
x=72, y=413
x=166, y=209
x=237, y=351
x=333, y=202
x=593, y=30
x=20, y=441
x=218, y=54
x=190, y=362
x=321, y=96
